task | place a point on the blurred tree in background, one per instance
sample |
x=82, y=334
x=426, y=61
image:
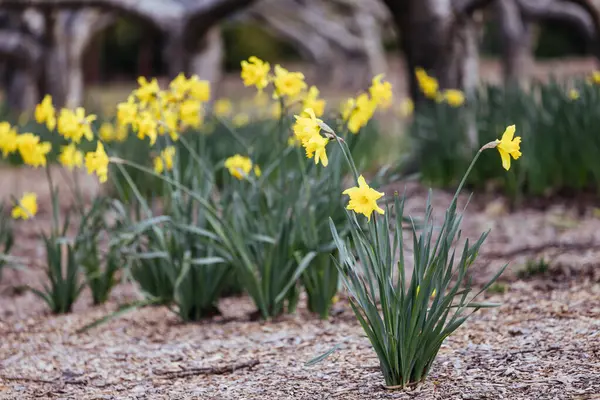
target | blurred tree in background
x=57, y=46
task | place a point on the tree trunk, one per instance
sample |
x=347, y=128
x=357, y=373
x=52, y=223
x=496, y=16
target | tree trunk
x=206, y=61
x=22, y=92
x=434, y=38
x=175, y=52
x=81, y=27
x=516, y=35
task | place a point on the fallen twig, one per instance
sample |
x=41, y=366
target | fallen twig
x=220, y=370
x=57, y=381
x=25, y=379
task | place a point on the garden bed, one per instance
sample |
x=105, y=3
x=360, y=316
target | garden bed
x=542, y=343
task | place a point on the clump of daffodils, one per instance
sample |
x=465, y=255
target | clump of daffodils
x=307, y=132
x=289, y=88
x=429, y=86
x=152, y=112
x=357, y=112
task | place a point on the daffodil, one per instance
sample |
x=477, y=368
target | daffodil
x=179, y=87
x=70, y=157
x=509, y=146
x=306, y=126
x=315, y=146
x=312, y=101
x=190, y=113
x=241, y=119
x=147, y=93
x=223, y=108
x=381, y=92
x=45, y=113
x=238, y=166
x=573, y=94
x=199, y=89
x=97, y=161
x=363, y=199
x=454, y=98
x=27, y=206
x=146, y=127
x=595, y=77
x=127, y=112
x=107, y=132
x=32, y=151
x=255, y=72
x=361, y=114
x=165, y=160
x=74, y=125
x=428, y=84
x=8, y=139
x=287, y=84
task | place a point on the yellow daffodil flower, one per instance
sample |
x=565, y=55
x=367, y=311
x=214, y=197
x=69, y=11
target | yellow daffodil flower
x=190, y=113
x=97, y=161
x=306, y=126
x=199, y=89
x=361, y=114
x=255, y=72
x=573, y=94
x=381, y=92
x=315, y=146
x=45, y=113
x=165, y=160
x=32, y=151
x=27, y=207
x=74, y=125
x=107, y=132
x=70, y=157
x=454, y=98
x=595, y=77
x=428, y=84
x=363, y=199
x=287, y=84
x=147, y=127
x=241, y=119
x=223, y=108
x=238, y=166
x=8, y=139
x=509, y=146
x=312, y=101
x=127, y=112
x=147, y=93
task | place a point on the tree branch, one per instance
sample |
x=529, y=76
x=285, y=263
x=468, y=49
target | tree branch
x=20, y=47
x=469, y=6
x=570, y=12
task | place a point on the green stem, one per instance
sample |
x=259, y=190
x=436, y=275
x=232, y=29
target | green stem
x=120, y=161
x=464, y=178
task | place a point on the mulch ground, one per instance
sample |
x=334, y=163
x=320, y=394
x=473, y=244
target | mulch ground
x=542, y=343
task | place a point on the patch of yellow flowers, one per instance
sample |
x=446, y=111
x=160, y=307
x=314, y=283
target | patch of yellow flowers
x=151, y=112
